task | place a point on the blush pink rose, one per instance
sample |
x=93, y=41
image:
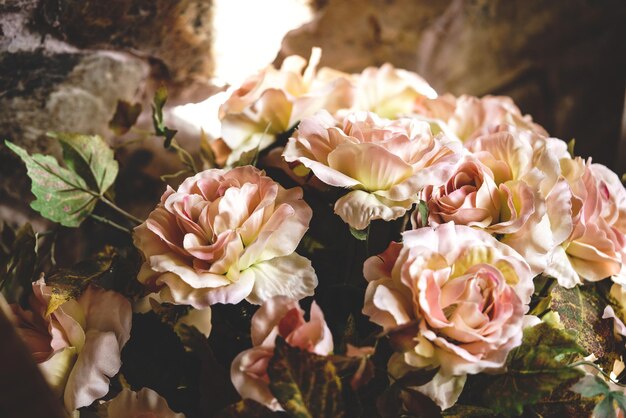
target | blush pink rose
x=274, y=100
x=225, y=236
x=384, y=163
x=464, y=292
x=279, y=316
x=78, y=345
x=468, y=117
x=532, y=196
x=596, y=247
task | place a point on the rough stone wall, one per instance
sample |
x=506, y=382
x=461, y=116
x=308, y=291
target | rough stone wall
x=563, y=61
x=64, y=64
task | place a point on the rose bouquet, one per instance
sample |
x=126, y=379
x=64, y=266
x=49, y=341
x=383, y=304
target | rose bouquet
x=351, y=245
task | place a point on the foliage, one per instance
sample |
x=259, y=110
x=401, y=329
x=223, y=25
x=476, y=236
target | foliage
x=125, y=116
x=534, y=370
x=160, y=97
x=305, y=384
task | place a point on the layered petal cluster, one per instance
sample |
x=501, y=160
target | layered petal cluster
x=78, y=345
x=468, y=117
x=145, y=403
x=509, y=185
x=279, y=316
x=384, y=163
x=225, y=236
x=462, y=296
x=274, y=100
x=596, y=247
x=389, y=92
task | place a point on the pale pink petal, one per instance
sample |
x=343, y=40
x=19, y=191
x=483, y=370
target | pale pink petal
x=249, y=376
x=266, y=319
x=359, y=208
x=290, y=275
x=96, y=364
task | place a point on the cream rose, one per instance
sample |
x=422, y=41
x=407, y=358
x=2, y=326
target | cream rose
x=389, y=92
x=596, y=247
x=274, y=100
x=78, y=345
x=384, y=163
x=279, y=316
x=465, y=294
x=225, y=236
x=468, y=117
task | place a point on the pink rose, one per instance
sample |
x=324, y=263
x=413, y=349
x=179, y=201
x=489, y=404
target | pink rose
x=596, y=247
x=225, y=236
x=279, y=316
x=470, y=197
x=468, y=117
x=78, y=345
x=466, y=294
x=274, y=100
x=530, y=197
x=383, y=162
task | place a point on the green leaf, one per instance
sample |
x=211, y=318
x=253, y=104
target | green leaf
x=249, y=157
x=620, y=399
x=61, y=195
x=305, y=384
x=125, y=116
x=160, y=98
x=360, y=234
x=247, y=408
x=580, y=310
x=534, y=370
x=422, y=208
x=605, y=408
x=69, y=283
x=91, y=158
x=590, y=386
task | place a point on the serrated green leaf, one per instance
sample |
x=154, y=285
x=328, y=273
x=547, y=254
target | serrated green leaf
x=62, y=195
x=580, y=310
x=247, y=408
x=590, y=386
x=305, y=384
x=69, y=283
x=125, y=116
x=534, y=370
x=91, y=158
x=160, y=98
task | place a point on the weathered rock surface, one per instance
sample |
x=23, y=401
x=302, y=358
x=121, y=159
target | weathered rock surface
x=564, y=62
x=64, y=64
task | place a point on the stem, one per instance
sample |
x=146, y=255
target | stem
x=595, y=366
x=110, y=223
x=189, y=159
x=121, y=211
